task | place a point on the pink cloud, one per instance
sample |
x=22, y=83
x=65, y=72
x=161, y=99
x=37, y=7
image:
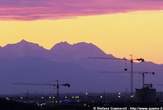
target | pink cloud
x=54, y=9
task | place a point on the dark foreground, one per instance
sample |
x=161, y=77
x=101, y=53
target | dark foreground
x=13, y=105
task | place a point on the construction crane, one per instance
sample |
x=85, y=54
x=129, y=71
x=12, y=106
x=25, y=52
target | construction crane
x=125, y=69
x=143, y=76
x=55, y=85
x=142, y=73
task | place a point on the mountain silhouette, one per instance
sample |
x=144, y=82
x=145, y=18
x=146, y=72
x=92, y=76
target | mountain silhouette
x=23, y=49
x=67, y=52
x=29, y=62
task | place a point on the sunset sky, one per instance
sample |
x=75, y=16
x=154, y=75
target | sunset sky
x=119, y=27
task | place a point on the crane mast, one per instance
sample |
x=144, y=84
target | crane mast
x=131, y=67
x=55, y=85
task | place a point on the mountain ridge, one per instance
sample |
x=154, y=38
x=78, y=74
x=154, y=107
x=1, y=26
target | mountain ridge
x=64, y=44
x=24, y=47
x=29, y=62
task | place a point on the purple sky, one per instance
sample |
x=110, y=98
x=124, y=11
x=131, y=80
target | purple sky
x=48, y=9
